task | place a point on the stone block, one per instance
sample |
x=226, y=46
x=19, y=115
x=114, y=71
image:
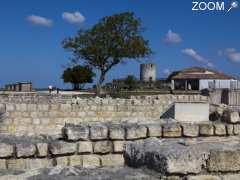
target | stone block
x=191, y=112
x=75, y=160
x=42, y=149
x=220, y=129
x=25, y=150
x=38, y=163
x=76, y=132
x=3, y=164
x=203, y=177
x=21, y=107
x=85, y=147
x=206, y=129
x=112, y=160
x=231, y=177
x=65, y=107
x=118, y=146
x=62, y=161
x=231, y=116
x=16, y=164
x=6, y=150
x=224, y=161
x=154, y=130
x=59, y=148
x=43, y=107
x=98, y=132
x=10, y=107
x=236, y=129
x=91, y=161
x=117, y=132
x=190, y=130
x=103, y=147
x=172, y=130
x=230, y=129
x=136, y=132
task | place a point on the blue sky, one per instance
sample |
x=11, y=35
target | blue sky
x=31, y=33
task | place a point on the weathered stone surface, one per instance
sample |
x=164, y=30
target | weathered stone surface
x=16, y=164
x=98, y=132
x=76, y=132
x=25, y=150
x=156, y=155
x=154, y=130
x=112, y=160
x=103, y=147
x=91, y=161
x=136, y=132
x=58, y=148
x=85, y=147
x=172, y=130
x=230, y=129
x=203, y=177
x=231, y=116
x=118, y=146
x=42, y=149
x=75, y=160
x=117, y=132
x=236, y=129
x=230, y=177
x=206, y=129
x=3, y=164
x=224, y=161
x=38, y=163
x=190, y=130
x=6, y=150
x=62, y=161
x=220, y=129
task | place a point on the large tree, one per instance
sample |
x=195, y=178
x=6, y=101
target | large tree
x=78, y=76
x=109, y=42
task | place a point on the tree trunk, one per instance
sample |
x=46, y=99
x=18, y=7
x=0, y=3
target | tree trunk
x=99, y=85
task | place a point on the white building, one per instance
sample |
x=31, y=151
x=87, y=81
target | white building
x=197, y=78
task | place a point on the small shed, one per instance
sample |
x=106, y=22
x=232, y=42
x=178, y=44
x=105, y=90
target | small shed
x=19, y=87
x=197, y=78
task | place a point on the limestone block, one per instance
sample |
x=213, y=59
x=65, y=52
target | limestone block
x=65, y=107
x=76, y=132
x=231, y=177
x=10, y=107
x=116, y=132
x=42, y=149
x=220, y=129
x=172, y=130
x=118, y=146
x=90, y=161
x=58, y=148
x=98, y=132
x=230, y=129
x=112, y=160
x=224, y=161
x=190, y=130
x=206, y=129
x=6, y=150
x=203, y=177
x=31, y=107
x=136, y=132
x=191, y=112
x=231, y=116
x=16, y=164
x=236, y=129
x=85, y=147
x=3, y=164
x=154, y=130
x=75, y=160
x=38, y=163
x=62, y=161
x=21, y=107
x=25, y=150
x=103, y=147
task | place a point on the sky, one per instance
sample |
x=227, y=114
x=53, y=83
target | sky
x=31, y=35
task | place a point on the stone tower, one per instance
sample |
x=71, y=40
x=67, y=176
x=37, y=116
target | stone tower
x=148, y=72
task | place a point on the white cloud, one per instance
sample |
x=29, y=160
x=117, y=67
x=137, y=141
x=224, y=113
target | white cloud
x=231, y=53
x=73, y=18
x=194, y=55
x=166, y=71
x=172, y=37
x=38, y=20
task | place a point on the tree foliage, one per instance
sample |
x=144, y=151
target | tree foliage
x=109, y=42
x=78, y=76
x=131, y=82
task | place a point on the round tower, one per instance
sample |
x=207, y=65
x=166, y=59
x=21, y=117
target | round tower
x=148, y=72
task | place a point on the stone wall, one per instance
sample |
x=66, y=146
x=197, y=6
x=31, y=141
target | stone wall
x=101, y=144
x=37, y=114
